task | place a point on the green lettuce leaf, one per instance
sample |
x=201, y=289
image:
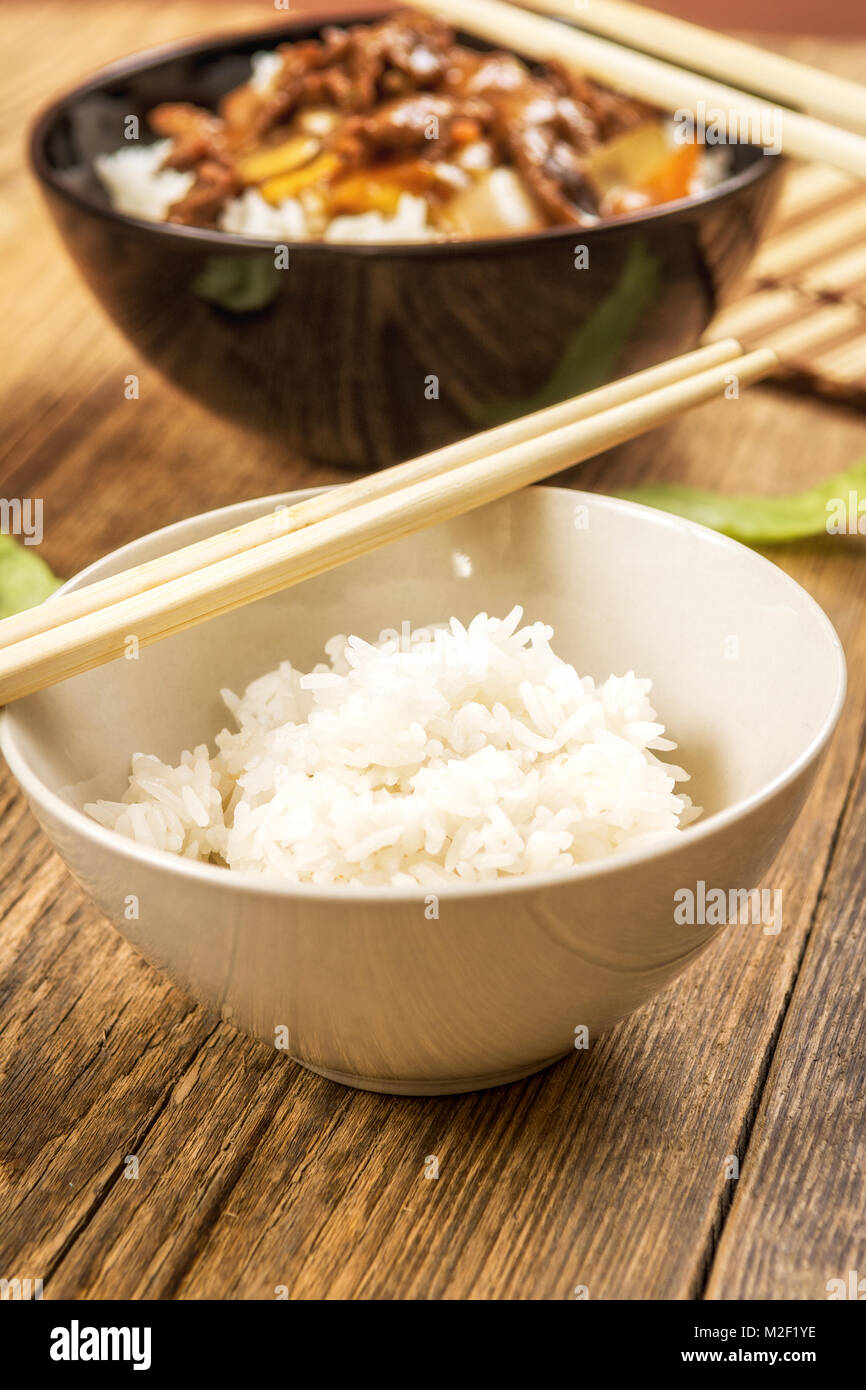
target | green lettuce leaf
x=837, y=504
x=25, y=579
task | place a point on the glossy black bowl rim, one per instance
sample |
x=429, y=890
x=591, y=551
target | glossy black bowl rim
x=759, y=168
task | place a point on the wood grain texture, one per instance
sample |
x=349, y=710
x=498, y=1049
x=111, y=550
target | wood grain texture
x=607, y=1171
x=809, y=1134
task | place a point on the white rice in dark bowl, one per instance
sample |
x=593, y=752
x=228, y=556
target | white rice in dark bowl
x=453, y=754
x=493, y=196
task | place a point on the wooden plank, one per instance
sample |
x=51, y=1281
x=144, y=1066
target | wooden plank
x=798, y=1221
x=90, y=1038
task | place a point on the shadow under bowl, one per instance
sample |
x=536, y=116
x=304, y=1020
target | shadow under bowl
x=362, y=355
x=370, y=986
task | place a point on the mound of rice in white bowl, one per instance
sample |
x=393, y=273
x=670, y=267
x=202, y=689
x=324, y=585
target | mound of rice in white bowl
x=444, y=755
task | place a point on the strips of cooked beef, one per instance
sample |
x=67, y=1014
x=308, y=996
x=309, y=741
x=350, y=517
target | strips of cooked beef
x=404, y=87
x=429, y=124
x=353, y=70
x=199, y=144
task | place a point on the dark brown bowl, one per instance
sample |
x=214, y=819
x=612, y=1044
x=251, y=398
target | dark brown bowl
x=361, y=355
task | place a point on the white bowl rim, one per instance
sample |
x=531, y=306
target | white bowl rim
x=83, y=825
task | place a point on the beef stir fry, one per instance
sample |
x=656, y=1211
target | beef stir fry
x=396, y=131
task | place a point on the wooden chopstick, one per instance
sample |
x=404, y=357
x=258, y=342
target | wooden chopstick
x=286, y=520
x=821, y=327
x=760, y=313
x=844, y=273
x=823, y=94
x=843, y=364
x=85, y=642
x=788, y=321
x=810, y=188
x=662, y=84
x=808, y=244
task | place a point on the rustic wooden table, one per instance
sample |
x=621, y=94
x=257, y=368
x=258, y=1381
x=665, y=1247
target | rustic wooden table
x=608, y=1171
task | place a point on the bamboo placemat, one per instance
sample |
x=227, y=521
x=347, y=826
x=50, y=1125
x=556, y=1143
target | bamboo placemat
x=806, y=288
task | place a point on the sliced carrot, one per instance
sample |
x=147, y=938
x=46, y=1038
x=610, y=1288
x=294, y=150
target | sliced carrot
x=360, y=194
x=674, y=178
x=379, y=188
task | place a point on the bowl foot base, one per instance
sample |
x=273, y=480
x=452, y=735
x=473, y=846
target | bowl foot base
x=394, y=1086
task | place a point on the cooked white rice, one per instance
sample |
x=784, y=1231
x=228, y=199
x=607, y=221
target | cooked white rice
x=449, y=754
x=411, y=222
x=139, y=186
x=137, y=183
x=264, y=68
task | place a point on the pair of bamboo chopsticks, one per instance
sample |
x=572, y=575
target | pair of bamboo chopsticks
x=84, y=629
x=639, y=74
x=769, y=74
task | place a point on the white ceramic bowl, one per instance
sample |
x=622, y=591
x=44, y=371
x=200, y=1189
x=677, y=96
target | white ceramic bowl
x=749, y=678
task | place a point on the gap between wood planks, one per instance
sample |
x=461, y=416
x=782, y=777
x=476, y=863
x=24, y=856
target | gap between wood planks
x=137, y=1140
x=750, y=1119
x=801, y=1148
